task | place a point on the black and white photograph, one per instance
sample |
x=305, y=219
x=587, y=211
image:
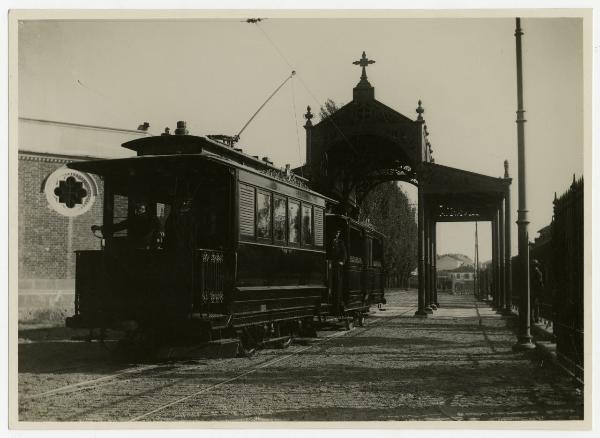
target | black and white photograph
x=340, y=218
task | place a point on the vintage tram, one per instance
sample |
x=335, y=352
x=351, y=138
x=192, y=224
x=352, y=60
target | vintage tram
x=201, y=241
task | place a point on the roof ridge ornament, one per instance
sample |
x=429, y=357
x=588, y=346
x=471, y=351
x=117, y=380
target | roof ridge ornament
x=308, y=116
x=364, y=62
x=363, y=91
x=420, y=110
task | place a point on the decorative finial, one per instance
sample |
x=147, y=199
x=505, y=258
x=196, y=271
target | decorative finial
x=167, y=131
x=420, y=111
x=555, y=198
x=505, y=168
x=308, y=116
x=181, y=128
x=518, y=30
x=363, y=62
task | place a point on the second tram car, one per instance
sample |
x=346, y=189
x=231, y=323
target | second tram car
x=202, y=241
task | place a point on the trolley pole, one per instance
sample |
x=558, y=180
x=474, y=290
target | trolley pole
x=524, y=335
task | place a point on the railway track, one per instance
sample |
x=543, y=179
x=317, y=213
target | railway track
x=158, y=370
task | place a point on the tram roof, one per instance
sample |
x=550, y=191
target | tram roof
x=175, y=163
x=367, y=226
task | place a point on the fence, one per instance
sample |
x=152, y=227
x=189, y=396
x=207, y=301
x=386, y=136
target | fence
x=559, y=297
x=567, y=250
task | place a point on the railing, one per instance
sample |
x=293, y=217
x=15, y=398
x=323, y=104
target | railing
x=209, y=279
x=567, y=249
x=559, y=300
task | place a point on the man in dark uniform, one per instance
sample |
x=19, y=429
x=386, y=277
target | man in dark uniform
x=182, y=227
x=143, y=229
x=537, y=286
x=338, y=256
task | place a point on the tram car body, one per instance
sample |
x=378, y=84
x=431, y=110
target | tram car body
x=241, y=246
x=358, y=282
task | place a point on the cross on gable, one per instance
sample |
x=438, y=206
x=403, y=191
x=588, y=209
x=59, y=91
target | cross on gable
x=363, y=62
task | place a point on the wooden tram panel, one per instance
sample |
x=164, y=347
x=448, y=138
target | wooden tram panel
x=252, y=271
x=262, y=259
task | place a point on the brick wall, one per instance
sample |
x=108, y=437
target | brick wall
x=47, y=241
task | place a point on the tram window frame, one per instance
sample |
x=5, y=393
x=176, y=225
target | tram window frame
x=369, y=250
x=298, y=228
x=377, y=253
x=284, y=200
x=269, y=197
x=356, y=245
x=120, y=212
x=311, y=242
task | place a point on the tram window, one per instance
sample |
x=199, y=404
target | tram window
x=263, y=215
x=307, y=230
x=369, y=251
x=294, y=221
x=356, y=246
x=279, y=218
x=120, y=213
x=377, y=253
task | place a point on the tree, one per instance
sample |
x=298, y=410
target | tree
x=388, y=208
x=328, y=108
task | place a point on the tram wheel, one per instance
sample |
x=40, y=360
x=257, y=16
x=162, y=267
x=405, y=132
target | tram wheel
x=285, y=343
x=248, y=342
x=349, y=324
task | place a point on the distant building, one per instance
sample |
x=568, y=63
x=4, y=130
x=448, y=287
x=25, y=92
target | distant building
x=454, y=272
x=56, y=208
x=447, y=262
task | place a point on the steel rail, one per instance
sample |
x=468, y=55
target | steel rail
x=264, y=365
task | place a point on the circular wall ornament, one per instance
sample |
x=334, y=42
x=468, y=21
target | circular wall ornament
x=70, y=192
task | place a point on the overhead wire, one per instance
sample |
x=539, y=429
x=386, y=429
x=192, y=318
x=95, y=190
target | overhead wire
x=317, y=101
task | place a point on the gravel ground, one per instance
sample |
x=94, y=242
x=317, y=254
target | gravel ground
x=456, y=365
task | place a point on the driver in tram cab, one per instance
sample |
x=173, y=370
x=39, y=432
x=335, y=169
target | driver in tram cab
x=143, y=229
x=182, y=228
x=339, y=256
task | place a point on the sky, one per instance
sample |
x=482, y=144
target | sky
x=216, y=73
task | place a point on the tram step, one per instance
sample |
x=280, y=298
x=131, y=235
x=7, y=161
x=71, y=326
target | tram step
x=306, y=340
x=279, y=341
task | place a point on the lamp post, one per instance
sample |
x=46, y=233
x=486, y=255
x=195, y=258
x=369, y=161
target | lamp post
x=524, y=335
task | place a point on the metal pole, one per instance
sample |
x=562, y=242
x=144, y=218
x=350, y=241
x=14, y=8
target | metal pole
x=524, y=335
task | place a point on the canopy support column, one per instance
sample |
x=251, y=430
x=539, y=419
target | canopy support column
x=421, y=255
x=501, y=257
x=495, y=259
x=434, y=270
x=508, y=271
x=432, y=303
x=428, y=307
